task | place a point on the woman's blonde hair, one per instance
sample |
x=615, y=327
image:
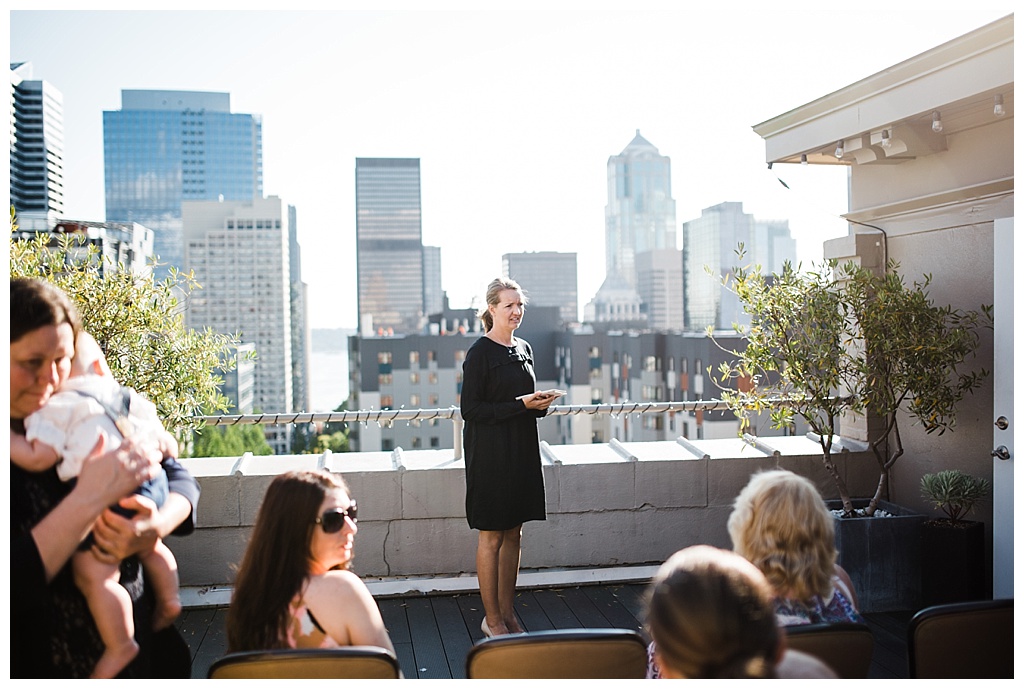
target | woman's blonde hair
x=494, y=290
x=710, y=614
x=780, y=523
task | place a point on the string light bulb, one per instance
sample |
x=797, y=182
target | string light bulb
x=998, y=109
x=886, y=142
x=803, y=158
x=839, y=150
x=936, y=122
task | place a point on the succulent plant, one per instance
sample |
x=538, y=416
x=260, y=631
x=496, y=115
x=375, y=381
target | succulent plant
x=954, y=492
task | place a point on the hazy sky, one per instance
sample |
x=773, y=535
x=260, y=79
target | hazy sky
x=513, y=114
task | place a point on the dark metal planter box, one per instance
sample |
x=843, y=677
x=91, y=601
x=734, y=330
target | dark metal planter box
x=952, y=562
x=882, y=556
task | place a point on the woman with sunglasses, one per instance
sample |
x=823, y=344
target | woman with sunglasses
x=294, y=588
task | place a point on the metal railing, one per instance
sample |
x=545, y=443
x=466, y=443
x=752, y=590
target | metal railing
x=387, y=417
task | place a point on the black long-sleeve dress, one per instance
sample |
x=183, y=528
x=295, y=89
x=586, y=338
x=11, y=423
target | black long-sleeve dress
x=504, y=481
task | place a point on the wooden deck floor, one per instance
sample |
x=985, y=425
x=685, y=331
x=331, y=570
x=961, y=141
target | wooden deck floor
x=432, y=634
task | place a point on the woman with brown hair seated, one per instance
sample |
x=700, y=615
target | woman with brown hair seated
x=294, y=588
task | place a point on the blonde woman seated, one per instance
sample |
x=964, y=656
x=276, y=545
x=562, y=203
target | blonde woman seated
x=781, y=525
x=294, y=588
x=710, y=615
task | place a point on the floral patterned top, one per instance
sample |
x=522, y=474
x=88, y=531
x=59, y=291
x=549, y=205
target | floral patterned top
x=836, y=608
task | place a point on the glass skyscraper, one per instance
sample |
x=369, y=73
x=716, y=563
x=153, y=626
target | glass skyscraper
x=641, y=213
x=165, y=147
x=389, y=245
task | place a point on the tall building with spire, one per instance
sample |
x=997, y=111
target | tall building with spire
x=37, y=145
x=641, y=213
x=640, y=217
x=165, y=147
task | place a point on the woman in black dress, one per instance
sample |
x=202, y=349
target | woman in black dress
x=504, y=483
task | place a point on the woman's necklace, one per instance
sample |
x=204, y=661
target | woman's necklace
x=510, y=344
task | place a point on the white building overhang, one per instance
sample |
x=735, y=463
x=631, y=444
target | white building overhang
x=959, y=79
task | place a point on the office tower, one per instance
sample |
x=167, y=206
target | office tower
x=433, y=294
x=37, y=145
x=710, y=243
x=165, y=147
x=772, y=245
x=300, y=323
x=547, y=277
x=239, y=251
x=660, y=285
x=641, y=213
x=389, y=245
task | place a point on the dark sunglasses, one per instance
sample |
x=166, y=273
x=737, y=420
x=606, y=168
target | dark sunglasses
x=333, y=521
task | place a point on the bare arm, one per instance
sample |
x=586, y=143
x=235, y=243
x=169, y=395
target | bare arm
x=104, y=477
x=32, y=455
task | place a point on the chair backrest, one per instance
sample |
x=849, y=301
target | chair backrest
x=971, y=640
x=846, y=647
x=349, y=662
x=563, y=654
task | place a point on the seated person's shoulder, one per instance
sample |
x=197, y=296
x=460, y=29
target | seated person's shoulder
x=336, y=583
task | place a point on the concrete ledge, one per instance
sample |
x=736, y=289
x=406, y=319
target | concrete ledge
x=606, y=508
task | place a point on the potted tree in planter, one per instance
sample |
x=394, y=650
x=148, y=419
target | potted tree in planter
x=839, y=340
x=953, y=547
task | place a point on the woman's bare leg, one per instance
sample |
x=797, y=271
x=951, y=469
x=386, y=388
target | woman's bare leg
x=508, y=573
x=488, y=551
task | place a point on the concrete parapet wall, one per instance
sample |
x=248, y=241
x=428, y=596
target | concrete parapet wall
x=608, y=504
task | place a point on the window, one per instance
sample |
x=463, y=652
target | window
x=414, y=400
x=383, y=357
x=384, y=379
x=417, y=442
x=387, y=444
x=414, y=359
x=435, y=442
x=414, y=378
x=387, y=401
x=432, y=378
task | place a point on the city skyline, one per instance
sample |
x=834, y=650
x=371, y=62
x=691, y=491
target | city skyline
x=512, y=116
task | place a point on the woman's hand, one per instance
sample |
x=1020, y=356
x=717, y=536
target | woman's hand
x=539, y=400
x=118, y=537
x=106, y=476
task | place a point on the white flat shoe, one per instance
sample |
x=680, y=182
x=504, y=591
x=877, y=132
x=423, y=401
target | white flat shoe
x=484, y=628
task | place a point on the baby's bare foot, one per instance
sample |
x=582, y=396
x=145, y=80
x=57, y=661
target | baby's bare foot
x=115, y=659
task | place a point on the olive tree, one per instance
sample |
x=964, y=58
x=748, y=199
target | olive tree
x=139, y=323
x=844, y=339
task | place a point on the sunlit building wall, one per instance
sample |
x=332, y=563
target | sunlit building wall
x=37, y=145
x=240, y=254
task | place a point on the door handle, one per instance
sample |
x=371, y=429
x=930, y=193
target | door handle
x=1001, y=452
